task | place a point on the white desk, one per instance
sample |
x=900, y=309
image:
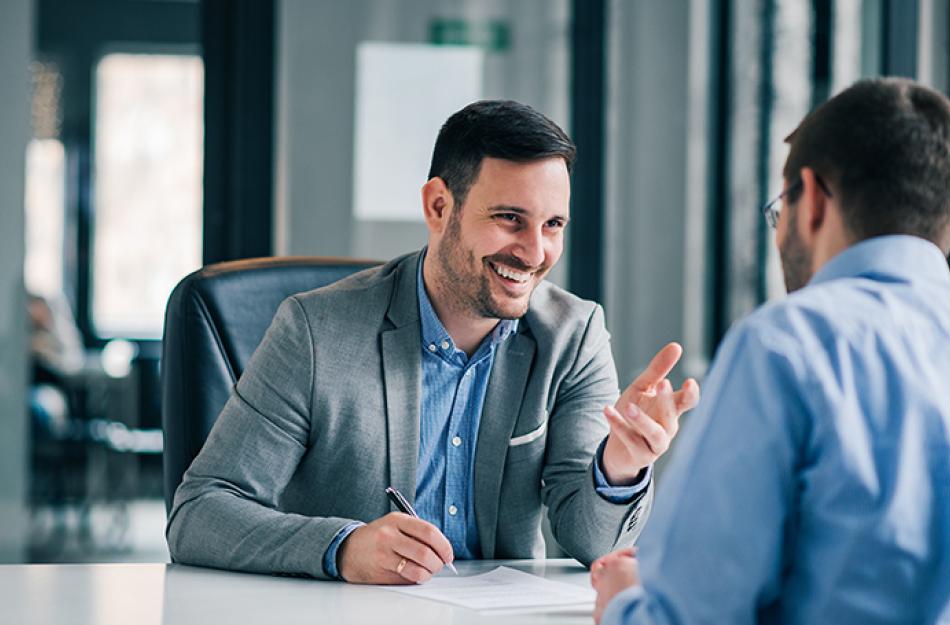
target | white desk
x=170, y=594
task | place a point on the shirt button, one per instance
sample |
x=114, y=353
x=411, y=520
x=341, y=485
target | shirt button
x=445, y=344
x=456, y=441
x=432, y=347
x=453, y=510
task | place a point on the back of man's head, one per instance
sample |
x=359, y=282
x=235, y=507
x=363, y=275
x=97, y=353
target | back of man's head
x=496, y=129
x=883, y=146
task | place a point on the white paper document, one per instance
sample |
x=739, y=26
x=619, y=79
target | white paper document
x=503, y=589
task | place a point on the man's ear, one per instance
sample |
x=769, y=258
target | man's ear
x=813, y=205
x=437, y=203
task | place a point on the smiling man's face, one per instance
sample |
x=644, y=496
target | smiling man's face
x=500, y=244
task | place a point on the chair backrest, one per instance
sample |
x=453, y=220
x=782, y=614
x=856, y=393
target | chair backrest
x=215, y=319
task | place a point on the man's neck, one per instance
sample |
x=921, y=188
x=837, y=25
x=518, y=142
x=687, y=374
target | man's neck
x=834, y=239
x=467, y=331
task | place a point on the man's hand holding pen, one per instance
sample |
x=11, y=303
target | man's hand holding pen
x=394, y=549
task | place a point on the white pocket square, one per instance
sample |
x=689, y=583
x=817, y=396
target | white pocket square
x=534, y=434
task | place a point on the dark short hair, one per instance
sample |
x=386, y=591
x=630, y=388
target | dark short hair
x=497, y=129
x=883, y=145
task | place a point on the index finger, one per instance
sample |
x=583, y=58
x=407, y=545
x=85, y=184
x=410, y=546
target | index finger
x=428, y=534
x=658, y=369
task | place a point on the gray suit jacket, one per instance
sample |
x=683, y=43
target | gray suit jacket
x=326, y=416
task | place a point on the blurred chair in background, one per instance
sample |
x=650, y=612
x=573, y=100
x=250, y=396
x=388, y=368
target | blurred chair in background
x=85, y=440
x=56, y=353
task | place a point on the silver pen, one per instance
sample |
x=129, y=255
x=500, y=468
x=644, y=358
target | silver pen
x=404, y=506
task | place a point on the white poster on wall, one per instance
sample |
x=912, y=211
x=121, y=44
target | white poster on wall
x=404, y=93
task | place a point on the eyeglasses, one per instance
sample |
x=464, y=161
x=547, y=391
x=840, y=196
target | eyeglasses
x=774, y=208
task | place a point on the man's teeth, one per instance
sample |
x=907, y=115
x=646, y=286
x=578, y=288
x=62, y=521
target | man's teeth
x=517, y=276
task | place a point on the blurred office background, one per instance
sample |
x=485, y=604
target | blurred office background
x=144, y=138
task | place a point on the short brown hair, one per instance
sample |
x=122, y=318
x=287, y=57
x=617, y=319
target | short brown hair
x=497, y=129
x=883, y=145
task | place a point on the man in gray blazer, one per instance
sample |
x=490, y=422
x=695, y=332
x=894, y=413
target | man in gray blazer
x=454, y=374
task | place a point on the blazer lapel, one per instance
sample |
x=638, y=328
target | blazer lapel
x=503, y=398
x=402, y=377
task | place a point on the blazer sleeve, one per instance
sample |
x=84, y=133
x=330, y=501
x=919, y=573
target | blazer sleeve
x=225, y=512
x=585, y=524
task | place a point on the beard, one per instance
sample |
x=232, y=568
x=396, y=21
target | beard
x=468, y=290
x=796, y=258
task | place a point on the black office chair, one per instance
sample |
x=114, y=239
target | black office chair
x=215, y=319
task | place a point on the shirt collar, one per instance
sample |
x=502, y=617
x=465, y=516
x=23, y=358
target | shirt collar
x=434, y=333
x=900, y=256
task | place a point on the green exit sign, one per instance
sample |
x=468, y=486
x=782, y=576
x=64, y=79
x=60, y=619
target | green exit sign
x=494, y=35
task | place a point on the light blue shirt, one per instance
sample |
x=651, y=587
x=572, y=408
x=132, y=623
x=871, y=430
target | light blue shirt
x=453, y=394
x=812, y=484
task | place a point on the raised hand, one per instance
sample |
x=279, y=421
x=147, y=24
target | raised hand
x=645, y=419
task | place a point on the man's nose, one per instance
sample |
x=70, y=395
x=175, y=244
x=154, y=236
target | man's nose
x=531, y=247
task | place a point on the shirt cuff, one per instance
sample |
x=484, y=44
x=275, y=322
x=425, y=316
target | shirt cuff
x=618, y=494
x=621, y=608
x=329, y=557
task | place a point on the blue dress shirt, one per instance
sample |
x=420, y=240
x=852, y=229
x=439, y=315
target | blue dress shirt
x=453, y=394
x=812, y=484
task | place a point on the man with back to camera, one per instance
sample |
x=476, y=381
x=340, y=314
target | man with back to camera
x=453, y=374
x=813, y=484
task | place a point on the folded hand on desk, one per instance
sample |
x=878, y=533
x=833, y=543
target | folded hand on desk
x=394, y=549
x=645, y=419
x=611, y=574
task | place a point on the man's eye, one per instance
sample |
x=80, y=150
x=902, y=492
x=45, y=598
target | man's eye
x=507, y=217
x=555, y=223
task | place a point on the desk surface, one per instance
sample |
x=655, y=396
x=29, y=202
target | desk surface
x=170, y=594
